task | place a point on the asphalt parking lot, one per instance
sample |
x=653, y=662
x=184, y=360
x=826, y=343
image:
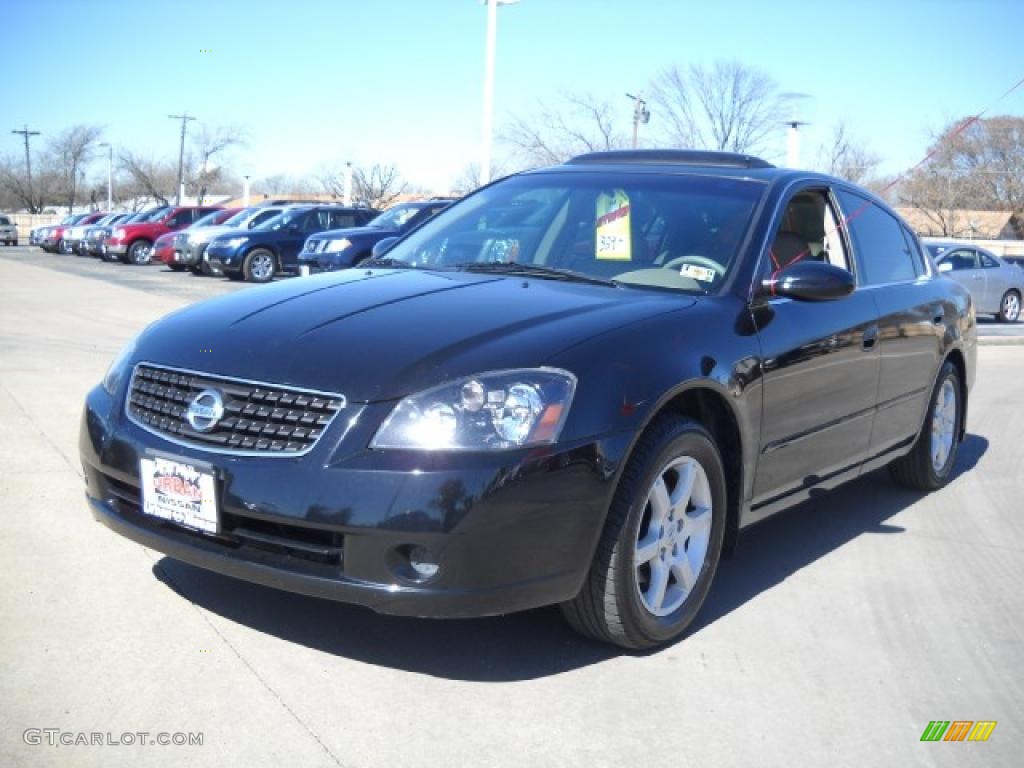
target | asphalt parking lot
x=838, y=632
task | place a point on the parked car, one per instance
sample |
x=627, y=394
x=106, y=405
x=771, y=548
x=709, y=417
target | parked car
x=133, y=243
x=53, y=238
x=96, y=234
x=581, y=407
x=8, y=231
x=256, y=255
x=193, y=251
x=343, y=248
x=172, y=255
x=74, y=236
x=995, y=285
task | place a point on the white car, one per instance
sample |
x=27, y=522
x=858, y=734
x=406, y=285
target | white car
x=996, y=285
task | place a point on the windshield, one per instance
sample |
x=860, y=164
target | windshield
x=283, y=219
x=665, y=231
x=394, y=218
x=239, y=219
x=208, y=219
x=153, y=215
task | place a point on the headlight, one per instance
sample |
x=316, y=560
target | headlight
x=494, y=411
x=118, y=369
x=118, y=234
x=333, y=246
x=234, y=242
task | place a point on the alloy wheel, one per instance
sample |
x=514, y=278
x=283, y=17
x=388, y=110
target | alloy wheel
x=943, y=425
x=1011, y=307
x=262, y=266
x=672, y=541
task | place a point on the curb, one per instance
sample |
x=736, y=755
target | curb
x=1000, y=341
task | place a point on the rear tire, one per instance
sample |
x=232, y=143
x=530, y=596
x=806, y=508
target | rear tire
x=661, y=542
x=930, y=462
x=260, y=266
x=1009, y=307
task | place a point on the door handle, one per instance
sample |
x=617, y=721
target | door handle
x=870, y=337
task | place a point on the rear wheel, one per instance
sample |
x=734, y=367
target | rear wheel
x=259, y=266
x=1009, y=307
x=140, y=253
x=930, y=462
x=661, y=543
x=195, y=269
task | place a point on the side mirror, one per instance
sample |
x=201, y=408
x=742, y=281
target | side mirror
x=946, y=267
x=382, y=247
x=292, y=229
x=811, y=281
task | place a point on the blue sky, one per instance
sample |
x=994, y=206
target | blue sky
x=400, y=81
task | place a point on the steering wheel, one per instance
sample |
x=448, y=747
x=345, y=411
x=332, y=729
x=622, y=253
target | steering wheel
x=700, y=261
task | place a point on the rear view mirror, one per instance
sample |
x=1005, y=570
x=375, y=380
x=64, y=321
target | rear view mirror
x=811, y=281
x=945, y=267
x=383, y=246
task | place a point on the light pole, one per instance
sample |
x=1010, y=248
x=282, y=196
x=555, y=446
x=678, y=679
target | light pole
x=488, y=117
x=181, y=154
x=245, y=191
x=641, y=114
x=27, y=134
x=347, y=195
x=110, y=175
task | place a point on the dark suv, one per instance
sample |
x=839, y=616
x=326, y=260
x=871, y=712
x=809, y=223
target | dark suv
x=341, y=248
x=575, y=386
x=258, y=254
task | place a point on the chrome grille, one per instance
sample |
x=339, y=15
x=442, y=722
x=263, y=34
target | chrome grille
x=258, y=418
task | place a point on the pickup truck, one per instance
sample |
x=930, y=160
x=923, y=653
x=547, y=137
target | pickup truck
x=133, y=243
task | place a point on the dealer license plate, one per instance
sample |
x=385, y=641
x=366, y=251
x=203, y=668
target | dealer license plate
x=179, y=492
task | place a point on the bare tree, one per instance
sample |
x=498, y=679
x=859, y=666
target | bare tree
x=69, y=151
x=848, y=158
x=468, y=179
x=153, y=179
x=209, y=145
x=379, y=187
x=725, y=106
x=581, y=123
x=973, y=164
x=282, y=184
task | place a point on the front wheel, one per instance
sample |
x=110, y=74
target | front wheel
x=1009, y=307
x=140, y=253
x=930, y=462
x=259, y=266
x=661, y=543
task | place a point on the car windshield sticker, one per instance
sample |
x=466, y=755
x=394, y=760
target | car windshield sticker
x=613, y=241
x=703, y=274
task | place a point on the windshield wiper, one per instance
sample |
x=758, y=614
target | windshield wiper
x=385, y=261
x=532, y=270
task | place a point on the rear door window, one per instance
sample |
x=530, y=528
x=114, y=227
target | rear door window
x=882, y=252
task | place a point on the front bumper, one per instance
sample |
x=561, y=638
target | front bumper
x=223, y=259
x=117, y=248
x=510, y=531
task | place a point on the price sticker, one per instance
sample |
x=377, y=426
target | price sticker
x=612, y=241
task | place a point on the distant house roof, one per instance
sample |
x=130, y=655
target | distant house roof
x=985, y=225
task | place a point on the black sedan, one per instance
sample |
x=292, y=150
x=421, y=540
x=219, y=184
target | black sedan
x=575, y=386
x=257, y=254
x=343, y=248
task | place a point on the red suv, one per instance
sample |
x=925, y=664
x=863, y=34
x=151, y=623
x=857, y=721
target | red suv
x=133, y=243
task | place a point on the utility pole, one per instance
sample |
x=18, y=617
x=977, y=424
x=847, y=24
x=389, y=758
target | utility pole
x=641, y=114
x=110, y=175
x=181, y=155
x=28, y=164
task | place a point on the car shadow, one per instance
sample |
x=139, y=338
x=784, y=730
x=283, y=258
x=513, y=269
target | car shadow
x=537, y=643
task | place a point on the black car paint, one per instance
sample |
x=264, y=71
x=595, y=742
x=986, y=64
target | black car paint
x=805, y=395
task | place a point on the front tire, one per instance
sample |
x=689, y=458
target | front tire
x=259, y=266
x=1009, y=307
x=140, y=253
x=661, y=542
x=930, y=462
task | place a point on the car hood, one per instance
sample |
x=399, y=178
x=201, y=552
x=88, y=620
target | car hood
x=254, y=235
x=353, y=233
x=207, y=233
x=381, y=334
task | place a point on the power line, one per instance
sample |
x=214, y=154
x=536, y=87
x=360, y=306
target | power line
x=26, y=133
x=181, y=153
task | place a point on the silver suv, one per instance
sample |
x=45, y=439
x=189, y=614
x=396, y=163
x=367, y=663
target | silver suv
x=8, y=231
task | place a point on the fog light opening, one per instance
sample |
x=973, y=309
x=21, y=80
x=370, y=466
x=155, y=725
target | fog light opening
x=423, y=564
